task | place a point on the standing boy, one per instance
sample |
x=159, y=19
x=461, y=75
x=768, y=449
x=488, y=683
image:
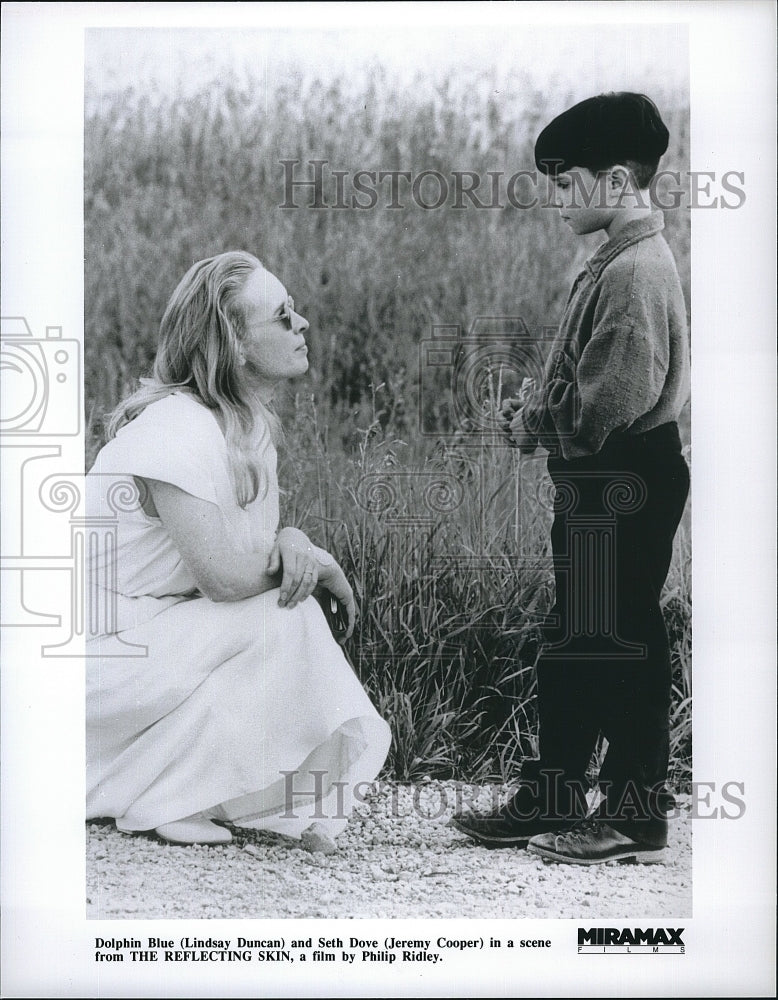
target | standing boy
x=613, y=388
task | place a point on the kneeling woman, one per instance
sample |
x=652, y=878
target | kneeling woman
x=216, y=692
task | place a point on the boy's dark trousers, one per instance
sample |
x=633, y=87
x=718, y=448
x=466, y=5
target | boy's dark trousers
x=606, y=666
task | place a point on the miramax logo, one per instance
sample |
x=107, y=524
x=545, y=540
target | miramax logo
x=614, y=940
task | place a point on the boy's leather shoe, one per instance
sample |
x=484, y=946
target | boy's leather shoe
x=492, y=831
x=592, y=842
x=500, y=829
x=524, y=816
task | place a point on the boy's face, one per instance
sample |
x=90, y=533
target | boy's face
x=586, y=201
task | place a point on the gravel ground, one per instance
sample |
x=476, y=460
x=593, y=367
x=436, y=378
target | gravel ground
x=397, y=858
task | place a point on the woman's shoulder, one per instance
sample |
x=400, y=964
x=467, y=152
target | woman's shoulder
x=176, y=409
x=175, y=439
x=177, y=421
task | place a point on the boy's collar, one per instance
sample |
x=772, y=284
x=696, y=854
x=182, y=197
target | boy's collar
x=633, y=232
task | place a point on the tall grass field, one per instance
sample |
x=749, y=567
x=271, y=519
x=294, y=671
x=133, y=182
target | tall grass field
x=391, y=463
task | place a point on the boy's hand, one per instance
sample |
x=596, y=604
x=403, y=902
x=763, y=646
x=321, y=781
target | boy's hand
x=527, y=391
x=510, y=415
x=518, y=433
x=507, y=413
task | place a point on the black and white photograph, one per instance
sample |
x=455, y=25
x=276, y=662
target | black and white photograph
x=375, y=487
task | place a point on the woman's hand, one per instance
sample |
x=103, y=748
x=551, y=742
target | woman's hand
x=296, y=556
x=333, y=579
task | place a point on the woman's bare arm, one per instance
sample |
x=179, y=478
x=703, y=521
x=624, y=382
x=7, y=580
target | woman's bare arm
x=223, y=570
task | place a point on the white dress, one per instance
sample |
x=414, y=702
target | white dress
x=243, y=710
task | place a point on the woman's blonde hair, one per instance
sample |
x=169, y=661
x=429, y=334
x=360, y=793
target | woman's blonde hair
x=199, y=353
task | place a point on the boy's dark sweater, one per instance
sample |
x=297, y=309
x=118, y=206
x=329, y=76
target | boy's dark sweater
x=620, y=361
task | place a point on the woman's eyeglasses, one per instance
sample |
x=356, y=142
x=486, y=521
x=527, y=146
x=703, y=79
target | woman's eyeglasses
x=284, y=316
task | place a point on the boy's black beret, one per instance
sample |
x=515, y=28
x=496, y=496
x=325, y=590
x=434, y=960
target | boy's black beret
x=600, y=132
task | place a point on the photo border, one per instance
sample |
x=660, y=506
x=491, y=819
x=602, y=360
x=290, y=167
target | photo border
x=47, y=941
